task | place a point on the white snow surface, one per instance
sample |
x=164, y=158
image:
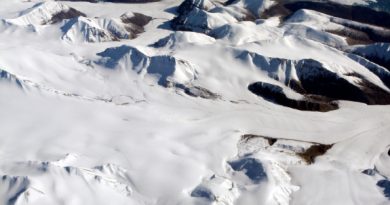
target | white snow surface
x=100, y=122
x=40, y=14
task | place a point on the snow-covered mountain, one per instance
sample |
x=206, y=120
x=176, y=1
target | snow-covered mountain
x=167, y=68
x=45, y=13
x=83, y=29
x=194, y=102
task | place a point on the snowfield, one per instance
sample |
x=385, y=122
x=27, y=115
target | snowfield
x=195, y=102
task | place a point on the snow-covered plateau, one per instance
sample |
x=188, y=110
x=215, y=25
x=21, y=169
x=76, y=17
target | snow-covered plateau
x=194, y=102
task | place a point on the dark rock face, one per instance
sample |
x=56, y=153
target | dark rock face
x=16, y=185
x=369, y=172
x=8, y=77
x=314, y=151
x=252, y=168
x=378, y=53
x=308, y=154
x=162, y=42
x=71, y=13
x=378, y=70
x=131, y=26
x=373, y=34
x=319, y=86
x=193, y=15
x=138, y=19
x=135, y=24
x=276, y=10
x=203, y=192
x=378, y=60
x=180, y=23
x=275, y=94
x=319, y=81
x=268, y=91
x=189, y=5
x=196, y=91
x=385, y=184
x=376, y=95
x=381, y=5
x=164, y=66
x=354, y=13
x=354, y=32
x=247, y=137
x=353, y=36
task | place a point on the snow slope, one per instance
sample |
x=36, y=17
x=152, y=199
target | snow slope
x=117, y=107
x=45, y=13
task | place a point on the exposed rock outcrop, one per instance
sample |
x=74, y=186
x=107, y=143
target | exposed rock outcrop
x=48, y=12
x=83, y=29
x=316, y=82
x=10, y=78
x=276, y=94
x=378, y=53
x=204, y=15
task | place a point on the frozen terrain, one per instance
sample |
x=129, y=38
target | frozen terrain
x=194, y=102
